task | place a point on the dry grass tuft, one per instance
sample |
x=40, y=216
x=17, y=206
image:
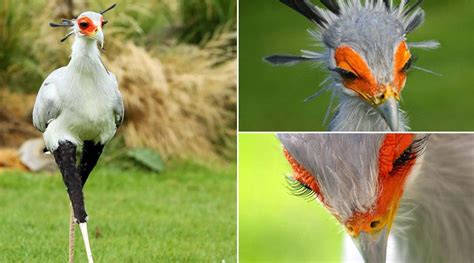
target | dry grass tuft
x=180, y=100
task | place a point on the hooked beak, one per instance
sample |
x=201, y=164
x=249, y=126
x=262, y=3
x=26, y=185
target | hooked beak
x=389, y=112
x=99, y=36
x=387, y=105
x=373, y=246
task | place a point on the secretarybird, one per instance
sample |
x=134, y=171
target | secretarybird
x=79, y=105
x=421, y=186
x=367, y=56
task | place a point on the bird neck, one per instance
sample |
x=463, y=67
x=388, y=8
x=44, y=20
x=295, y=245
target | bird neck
x=354, y=114
x=85, y=56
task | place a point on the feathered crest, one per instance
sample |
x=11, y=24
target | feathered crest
x=412, y=17
x=69, y=23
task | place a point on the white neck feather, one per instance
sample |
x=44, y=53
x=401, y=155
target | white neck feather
x=353, y=114
x=85, y=56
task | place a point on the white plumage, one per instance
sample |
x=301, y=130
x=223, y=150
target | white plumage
x=80, y=101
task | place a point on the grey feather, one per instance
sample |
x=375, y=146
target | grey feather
x=48, y=104
x=415, y=21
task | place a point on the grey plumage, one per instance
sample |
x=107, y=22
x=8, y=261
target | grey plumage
x=372, y=28
x=436, y=212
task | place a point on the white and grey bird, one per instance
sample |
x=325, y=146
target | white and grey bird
x=79, y=105
x=420, y=187
x=367, y=55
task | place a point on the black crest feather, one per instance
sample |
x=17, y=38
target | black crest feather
x=284, y=59
x=415, y=5
x=332, y=5
x=306, y=8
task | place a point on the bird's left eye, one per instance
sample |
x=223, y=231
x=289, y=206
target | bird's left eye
x=410, y=153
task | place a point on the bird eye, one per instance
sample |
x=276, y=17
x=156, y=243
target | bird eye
x=346, y=74
x=83, y=25
x=409, y=63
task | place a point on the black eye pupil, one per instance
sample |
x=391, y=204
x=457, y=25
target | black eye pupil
x=83, y=24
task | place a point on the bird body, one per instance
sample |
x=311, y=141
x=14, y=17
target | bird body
x=79, y=105
x=79, y=102
x=431, y=211
x=367, y=55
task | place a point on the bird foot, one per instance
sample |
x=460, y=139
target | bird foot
x=85, y=236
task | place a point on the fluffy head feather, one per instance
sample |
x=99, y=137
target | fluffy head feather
x=365, y=49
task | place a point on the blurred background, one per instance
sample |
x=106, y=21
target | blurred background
x=274, y=225
x=164, y=190
x=271, y=98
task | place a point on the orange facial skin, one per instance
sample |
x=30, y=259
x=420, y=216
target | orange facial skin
x=366, y=85
x=391, y=184
x=90, y=29
x=303, y=176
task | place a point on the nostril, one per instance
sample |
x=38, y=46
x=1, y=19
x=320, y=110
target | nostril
x=374, y=224
x=351, y=229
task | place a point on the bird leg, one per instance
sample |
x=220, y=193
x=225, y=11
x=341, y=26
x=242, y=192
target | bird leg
x=90, y=155
x=71, y=236
x=65, y=156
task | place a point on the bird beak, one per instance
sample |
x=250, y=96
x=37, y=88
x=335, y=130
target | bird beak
x=99, y=36
x=389, y=112
x=387, y=105
x=373, y=246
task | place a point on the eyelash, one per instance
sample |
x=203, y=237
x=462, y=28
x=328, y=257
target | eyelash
x=411, y=153
x=409, y=63
x=345, y=74
x=301, y=190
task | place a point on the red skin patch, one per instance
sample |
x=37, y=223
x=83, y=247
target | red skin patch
x=90, y=29
x=348, y=59
x=366, y=85
x=402, y=55
x=391, y=184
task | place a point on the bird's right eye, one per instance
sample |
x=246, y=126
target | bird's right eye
x=83, y=25
x=346, y=74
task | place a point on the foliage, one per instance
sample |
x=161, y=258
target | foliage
x=18, y=66
x=201, y=19
x=147, y=158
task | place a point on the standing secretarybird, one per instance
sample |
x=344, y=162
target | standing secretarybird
x=79, y=105
x=421, y=186
x=367, y=55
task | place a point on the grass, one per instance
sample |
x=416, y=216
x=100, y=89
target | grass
x=271, y=98
x=275, y=226
x=187, y=214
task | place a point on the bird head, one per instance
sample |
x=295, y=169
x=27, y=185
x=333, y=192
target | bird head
x=365, y=49
x=359, y=178
x=88, y=24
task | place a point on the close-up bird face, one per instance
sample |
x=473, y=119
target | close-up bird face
x=360, y=179
x=89, y=24
x=368, y=55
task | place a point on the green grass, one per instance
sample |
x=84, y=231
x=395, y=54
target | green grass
x=275, y=226
x=271, y=98
x=187, y=214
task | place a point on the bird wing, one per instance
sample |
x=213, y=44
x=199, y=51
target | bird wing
x=47, y=104
x=118, y=107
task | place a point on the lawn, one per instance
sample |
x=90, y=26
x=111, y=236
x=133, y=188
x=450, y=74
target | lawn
x=186, y=214
x=275, y=226
x=271, y=98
